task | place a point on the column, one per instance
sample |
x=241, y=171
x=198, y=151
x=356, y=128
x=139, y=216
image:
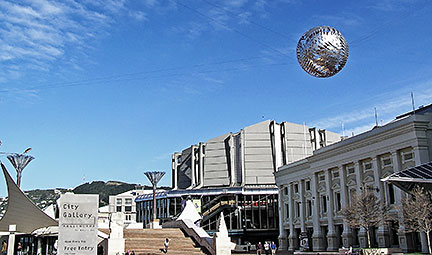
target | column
x=318, y=235
x=233, y=179
x=424, y=244
x=383, y=231
x=201, y=165
x=242, y=139
x=347, y=232
x=174, y=170
x=403, y=241
x=11, y=241
x=39, y=245
x=332, y=239
x=303, y=233
x=282, y=233
x=359, y=175
x=302, y=207
x=192, y=165
x=292, y=238
x=421, y=155
x=362, y=236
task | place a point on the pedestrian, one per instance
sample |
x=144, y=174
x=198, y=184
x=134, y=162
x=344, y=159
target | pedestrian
x=259, y=248
x=273, y=248
x=4, y=248
x=267, y=248
x=132, y=253
x=127, y=252
x=166, y=243
x=19, y=249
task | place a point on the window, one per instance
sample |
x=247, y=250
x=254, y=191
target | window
x=118, y=208
x=309, y=208
x=128, y=201
x=367, y=166
x=323, y=204
x=351, y=170
x=287, y=210
x=296, y=188
x=307, y=184
x=386, y=162
x=407, y=156
x=335, y=174
x=128, y=208
x=119, y=201
x=285, y=189
x=297, y=209
x=322, y=178
x=338, y=204
x=391, y=194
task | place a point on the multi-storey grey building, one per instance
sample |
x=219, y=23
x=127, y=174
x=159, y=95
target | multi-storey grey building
x=315, y=189
x=248, y=157
x=233, y=173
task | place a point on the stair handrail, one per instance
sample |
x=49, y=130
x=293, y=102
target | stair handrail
x=199, y=235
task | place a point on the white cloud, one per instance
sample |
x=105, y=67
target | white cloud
x=390, y=105
x=347, y=19
x=393, y=5
x=138, y=15
x=37, y=33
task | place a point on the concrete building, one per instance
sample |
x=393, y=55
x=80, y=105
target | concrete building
x=124, y=204
x=233, y=174
x=314, y=190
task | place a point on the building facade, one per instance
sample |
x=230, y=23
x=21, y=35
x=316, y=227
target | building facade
x=314, y=190
x=124, y=204
x=233, y=174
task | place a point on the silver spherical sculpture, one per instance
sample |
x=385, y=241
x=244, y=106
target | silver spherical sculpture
x=322, y=51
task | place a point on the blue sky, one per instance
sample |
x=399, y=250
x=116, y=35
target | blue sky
x=110, y=89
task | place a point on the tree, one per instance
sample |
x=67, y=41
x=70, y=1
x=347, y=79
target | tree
x=417, y=211
x=366, y=211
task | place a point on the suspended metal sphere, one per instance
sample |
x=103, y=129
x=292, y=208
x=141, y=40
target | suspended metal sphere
x=322, y=51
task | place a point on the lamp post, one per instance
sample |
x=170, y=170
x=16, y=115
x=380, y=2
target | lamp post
x=154, y=177
x=19, y=162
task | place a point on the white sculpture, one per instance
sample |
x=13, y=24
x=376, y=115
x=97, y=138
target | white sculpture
x=221, y=241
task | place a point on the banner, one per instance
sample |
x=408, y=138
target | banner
x=78, y=224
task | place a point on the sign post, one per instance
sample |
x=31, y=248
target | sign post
x=78, y=224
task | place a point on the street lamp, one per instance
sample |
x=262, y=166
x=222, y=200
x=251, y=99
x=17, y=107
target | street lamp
x=154, y=177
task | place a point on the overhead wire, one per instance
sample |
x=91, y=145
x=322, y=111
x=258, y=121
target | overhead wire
x=163, y=71
x=380, y=28
x=249, y=21
x=123, y=77
x=231, y=29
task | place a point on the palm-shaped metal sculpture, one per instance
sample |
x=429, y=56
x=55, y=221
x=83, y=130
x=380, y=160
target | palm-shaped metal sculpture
x=154, y=177
x=19, y=162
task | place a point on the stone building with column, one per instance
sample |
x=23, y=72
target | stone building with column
x=233, y=173
x=315, y=189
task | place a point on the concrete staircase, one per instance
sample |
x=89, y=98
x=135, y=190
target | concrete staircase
x=150, y=242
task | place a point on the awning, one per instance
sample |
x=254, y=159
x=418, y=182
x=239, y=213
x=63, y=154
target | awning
x=409, y=178
x=21, y=211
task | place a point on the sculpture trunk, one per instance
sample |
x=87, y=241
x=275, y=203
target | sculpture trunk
x=154, y=178
x=19, y=179
x=154, y=202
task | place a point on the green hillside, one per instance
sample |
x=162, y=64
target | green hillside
x=104, y=189
x=45, y=198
